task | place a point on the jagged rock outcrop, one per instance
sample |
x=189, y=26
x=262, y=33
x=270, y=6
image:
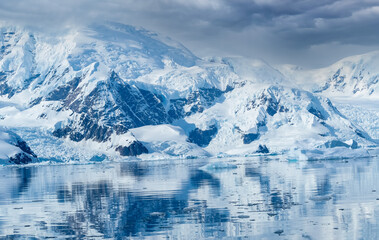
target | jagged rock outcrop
x=14, y=150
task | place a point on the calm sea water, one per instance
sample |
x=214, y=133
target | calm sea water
x=256, y=198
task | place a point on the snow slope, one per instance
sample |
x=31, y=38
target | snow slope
x=356, y=76
x=278, y=118
x=119, y=90
x=14, y=150
x=352, y=83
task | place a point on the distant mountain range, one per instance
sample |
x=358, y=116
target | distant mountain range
x=118, y=90
x=352, y=77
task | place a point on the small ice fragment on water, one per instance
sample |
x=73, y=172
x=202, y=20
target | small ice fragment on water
x=321, y=198
x=218, y=166
x=157, y=214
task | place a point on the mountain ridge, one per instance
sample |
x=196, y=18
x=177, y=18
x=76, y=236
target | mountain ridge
x=355, y=76
x=101, y=86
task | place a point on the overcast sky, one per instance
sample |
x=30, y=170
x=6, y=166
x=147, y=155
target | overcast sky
x=309, y=33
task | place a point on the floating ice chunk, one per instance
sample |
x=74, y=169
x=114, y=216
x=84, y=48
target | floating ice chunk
x=157, y=214
x=296, y=155
x=336, y=153
x=218, y=166
x=318, y=198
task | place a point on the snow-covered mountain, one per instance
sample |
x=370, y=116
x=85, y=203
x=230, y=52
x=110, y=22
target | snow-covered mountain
x=356, y=76
x=351, y=83
x=119, y=90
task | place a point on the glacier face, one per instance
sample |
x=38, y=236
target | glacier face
x=119, y=90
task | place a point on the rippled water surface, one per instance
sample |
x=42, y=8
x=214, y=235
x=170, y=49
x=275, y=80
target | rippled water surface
x=256, y=198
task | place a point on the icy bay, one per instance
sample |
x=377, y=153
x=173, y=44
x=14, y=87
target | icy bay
x=263, y=198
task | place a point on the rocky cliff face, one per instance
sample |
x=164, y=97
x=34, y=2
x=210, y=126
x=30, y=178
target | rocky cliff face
x=112, y=106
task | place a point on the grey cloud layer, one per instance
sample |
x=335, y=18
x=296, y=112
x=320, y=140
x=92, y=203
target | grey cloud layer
x=277, y=30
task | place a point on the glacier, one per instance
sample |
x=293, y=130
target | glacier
x=113, y=91
x=351, y=83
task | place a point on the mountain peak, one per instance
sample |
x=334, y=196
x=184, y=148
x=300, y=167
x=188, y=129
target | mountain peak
x=356, y=76
x=100, y=84
x=137, y=41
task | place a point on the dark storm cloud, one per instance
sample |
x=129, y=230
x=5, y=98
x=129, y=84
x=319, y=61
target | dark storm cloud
x=306, y=32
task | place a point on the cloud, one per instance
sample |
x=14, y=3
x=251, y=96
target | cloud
x=277, y=30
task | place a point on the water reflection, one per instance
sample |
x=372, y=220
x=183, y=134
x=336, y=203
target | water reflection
x=260, y=198
x=24, y=175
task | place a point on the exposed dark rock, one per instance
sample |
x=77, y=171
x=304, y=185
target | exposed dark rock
x=195, y=108
x=199, y=100
x=62, y=92
x=204, y=97
x=336, y=143
x=61, y=132
x=20, y=158
x=24, y=147
x=262, y=149
x=5, y=89
x=113, y=106
x=90, y=129
x=228, y=89
x=360, y=133
x=354, y=145
x=202, y=137
x=35, y=101
x=76, y=136
x=176, y=110
x=261, y=124
x=3, y=76
x=42, y=116
x=134, y=149
x=26, y=156
x=330, y=104
x=28, y=81
x=283, y=109
x=272, y=107
x=279, y=232
x=6, y=39
x=317, y=113
x=250, y=137
x=338, y=79
x=269, y=101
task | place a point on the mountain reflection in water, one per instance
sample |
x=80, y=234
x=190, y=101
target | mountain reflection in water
x=259, y=198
